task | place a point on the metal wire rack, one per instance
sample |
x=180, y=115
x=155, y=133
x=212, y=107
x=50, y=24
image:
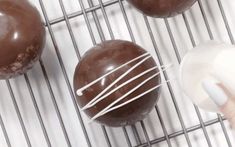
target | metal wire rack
x=95, y=17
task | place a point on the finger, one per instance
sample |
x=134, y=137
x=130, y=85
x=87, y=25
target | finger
x=216, y=93
x=221, y=96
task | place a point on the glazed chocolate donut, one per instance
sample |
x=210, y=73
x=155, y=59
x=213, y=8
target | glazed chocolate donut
x=162, y=8
x=117, y=83
x=22, y=37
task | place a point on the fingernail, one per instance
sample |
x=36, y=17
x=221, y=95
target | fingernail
x=216, y=93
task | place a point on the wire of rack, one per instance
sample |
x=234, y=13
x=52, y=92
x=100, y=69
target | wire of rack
x=92, y=9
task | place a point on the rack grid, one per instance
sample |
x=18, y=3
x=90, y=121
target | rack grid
x=137, y=135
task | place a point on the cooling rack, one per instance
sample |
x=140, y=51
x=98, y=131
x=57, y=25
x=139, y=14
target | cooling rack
x=39, y=108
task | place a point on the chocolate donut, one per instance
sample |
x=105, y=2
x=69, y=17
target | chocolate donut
x=117, y=83
x=162, y=8
x=22, y=37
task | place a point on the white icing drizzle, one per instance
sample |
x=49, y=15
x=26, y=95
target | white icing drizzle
x=109, y=107
x=102, y=94
x=118, y=79
x=92, y=103
x=79, y=91
x=129, y=101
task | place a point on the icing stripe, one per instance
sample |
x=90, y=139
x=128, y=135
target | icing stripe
x=129, y=101
x=124, y=96
x=119, y=78
x=79, y=91
x=90, y=104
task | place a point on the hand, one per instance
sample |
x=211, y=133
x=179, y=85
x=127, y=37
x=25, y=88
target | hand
x=222, y=97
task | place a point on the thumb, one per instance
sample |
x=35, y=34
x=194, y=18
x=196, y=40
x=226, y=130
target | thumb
x=215, y=91
x=222, y=97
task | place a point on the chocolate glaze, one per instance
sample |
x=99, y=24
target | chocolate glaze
x=22, y=37
x=162, y=8
x=100, y=60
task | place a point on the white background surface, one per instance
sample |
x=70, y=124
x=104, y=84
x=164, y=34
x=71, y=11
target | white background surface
x=84, y=42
